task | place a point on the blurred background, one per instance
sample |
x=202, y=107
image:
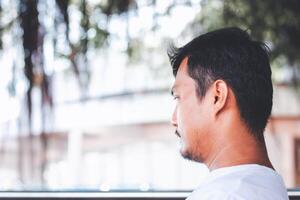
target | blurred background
x=85, y=85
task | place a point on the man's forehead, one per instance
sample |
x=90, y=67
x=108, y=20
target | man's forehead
x=183, y=65
x=182, y=76
x=183, y=84
x=182, y=71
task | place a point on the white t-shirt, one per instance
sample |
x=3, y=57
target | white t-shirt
x=250, y=181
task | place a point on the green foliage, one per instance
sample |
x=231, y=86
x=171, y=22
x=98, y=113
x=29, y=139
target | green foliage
x=110, y=7
x=277, y=22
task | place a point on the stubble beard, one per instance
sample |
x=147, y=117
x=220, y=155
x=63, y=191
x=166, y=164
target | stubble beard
x=189, y=154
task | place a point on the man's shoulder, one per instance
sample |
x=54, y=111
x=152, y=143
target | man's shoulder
x=242, y=183
x=240, y=194
x=246, y=176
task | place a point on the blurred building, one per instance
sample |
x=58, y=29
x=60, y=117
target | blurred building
x=127, y=142
x=283, y=132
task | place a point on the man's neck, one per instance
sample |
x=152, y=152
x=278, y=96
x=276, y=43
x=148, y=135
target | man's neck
x=245, y=150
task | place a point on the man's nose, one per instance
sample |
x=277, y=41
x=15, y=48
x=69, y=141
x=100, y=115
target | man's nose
x=174, y=118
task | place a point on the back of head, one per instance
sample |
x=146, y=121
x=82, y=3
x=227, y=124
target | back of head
x=231, y=55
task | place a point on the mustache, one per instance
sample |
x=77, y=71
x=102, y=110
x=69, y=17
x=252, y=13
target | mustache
x=177, y=133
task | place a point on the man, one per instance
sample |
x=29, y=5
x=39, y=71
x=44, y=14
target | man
x=224, y=94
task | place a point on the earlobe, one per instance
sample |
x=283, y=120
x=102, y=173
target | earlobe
x=221, y=95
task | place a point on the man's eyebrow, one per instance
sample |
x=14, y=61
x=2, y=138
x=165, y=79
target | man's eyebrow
x=173, y=90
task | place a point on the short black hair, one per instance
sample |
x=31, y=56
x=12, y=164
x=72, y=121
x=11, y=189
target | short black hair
x=231, y=55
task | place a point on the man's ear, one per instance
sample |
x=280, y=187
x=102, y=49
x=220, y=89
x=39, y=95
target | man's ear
x=220, y=92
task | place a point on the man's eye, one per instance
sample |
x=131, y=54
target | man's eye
x=176, y=97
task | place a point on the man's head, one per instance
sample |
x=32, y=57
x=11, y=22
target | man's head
x=212, y=71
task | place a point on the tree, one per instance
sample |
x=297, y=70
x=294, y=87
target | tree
x=276, y=22
x=33, y=32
